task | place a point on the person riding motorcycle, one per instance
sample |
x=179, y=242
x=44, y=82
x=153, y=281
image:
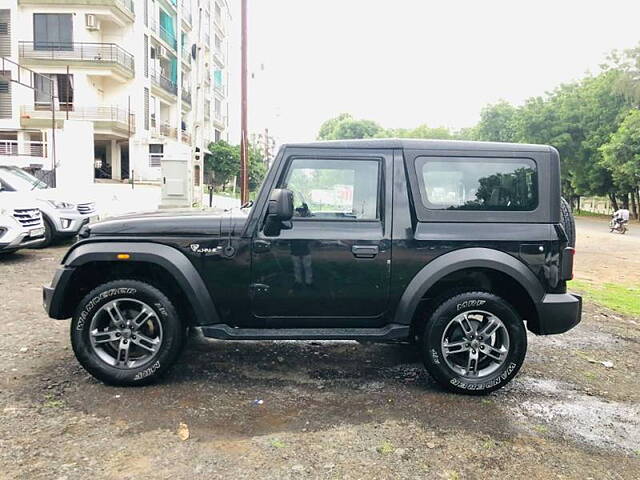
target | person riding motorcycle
x=621, y=216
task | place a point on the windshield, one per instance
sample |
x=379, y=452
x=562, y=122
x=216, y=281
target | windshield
x=20, y=180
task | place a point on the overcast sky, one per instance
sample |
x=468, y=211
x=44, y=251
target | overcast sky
x=407, y=62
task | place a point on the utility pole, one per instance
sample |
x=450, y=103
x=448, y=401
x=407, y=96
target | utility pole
x=244, y=139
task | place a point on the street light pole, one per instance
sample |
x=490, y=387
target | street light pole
x=244, y=139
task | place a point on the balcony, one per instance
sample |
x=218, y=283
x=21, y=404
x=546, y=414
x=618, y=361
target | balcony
x=218, y=56
x=186, y=98
x=186, y=57
x=167, y=131
x=186, y=137
x=219, y=121
x=23, y=154
x=163, y=86
x=105, y=59
x=220, y=90
x=109, y=120
x=120, y=11
x=187, y=18
x=168, y=38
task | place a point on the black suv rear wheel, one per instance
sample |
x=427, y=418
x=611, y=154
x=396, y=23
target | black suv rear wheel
x=474, y=343
x=126, y=332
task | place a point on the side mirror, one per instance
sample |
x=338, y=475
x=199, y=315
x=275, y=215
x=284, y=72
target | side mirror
x=279, y=212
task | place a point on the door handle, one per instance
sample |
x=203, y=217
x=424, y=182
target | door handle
x=365, y=251
x=260, y=246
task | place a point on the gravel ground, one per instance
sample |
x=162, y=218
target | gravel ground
x=310, y=409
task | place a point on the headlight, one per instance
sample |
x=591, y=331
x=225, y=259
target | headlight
x=61, y=205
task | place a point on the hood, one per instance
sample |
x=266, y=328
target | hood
x=62, y=196
x=16, y=200
x=173, y=223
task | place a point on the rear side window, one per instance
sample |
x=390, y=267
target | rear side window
x=486, y=184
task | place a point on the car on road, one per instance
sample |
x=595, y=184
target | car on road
x=458, y=247
x=64, y=213
x=21, y=224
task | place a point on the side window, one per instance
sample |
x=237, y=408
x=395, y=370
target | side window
x=328, y=189
x=487, y=184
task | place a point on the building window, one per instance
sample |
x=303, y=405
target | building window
x=217, y=135
x=5, y=95
x=146, y=56
x=152, y=112
x=196, y=175
x=62, y=91
x=53, y=31
x=5, y=30
x=156, y=153
x=146, y=108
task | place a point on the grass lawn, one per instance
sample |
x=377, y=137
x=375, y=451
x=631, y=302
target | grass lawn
x=622, y=298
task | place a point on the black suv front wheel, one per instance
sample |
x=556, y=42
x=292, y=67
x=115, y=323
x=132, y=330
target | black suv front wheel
x=126, y=332
x=474, y=343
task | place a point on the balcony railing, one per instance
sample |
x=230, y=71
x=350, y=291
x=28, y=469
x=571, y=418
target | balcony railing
x=126, y=4
x=186, y=56
x=186, y=137
x=120, y=117
x=167, y=131
x=15, y=148
x=186, y=96
x=219, y=55
x=163, y=82
x=168, y=37
x=219, y=89
x=102, y=53
x=186, y=15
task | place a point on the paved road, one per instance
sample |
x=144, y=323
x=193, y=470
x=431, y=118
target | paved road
x=597, y=224
x=329, y=409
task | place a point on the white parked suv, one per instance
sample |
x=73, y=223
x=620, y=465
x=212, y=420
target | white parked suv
x=64, y=213
x=21, y=224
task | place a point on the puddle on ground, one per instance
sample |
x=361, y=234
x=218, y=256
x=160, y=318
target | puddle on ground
x=614, y=425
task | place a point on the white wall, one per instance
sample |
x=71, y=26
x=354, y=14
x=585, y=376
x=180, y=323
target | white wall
x=74, y=147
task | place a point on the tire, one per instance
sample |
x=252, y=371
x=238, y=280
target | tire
x=48, y=234
x=131, y=355
x=443, y=329
x=568, y=221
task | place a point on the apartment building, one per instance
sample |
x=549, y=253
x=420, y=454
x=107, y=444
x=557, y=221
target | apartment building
x=144, y=79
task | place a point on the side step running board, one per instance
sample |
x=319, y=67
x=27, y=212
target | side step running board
x=222, y=331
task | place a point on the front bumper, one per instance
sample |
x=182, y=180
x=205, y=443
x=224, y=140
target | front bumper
x=558, y=313
x=69, y=224
x=13, y=240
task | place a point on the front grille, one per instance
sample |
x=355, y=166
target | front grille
x=28, y=217
x=86, y=208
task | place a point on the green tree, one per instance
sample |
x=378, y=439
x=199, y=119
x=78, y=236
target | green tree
x=621, y=155
x=421, y=131
x=257, y=168
x=344, y=126
x=224, y=162
x=497, y=123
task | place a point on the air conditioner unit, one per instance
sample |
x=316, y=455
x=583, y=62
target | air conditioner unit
x=91, y=22
x=163, y=51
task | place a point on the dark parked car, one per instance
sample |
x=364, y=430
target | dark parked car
x=459, y=247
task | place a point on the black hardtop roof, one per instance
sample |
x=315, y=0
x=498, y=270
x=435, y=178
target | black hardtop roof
x=421, y=144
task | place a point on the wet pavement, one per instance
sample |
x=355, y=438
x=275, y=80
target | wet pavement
x=311, y=409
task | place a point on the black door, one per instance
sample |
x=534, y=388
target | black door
x=332, y=268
